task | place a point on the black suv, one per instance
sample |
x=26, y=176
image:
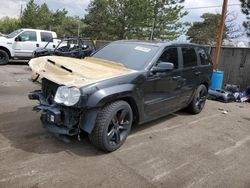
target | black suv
x=124, y=83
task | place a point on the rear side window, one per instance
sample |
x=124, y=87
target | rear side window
x=189, y=57
x=170, y=55
x=46, y=37
x=203, y=56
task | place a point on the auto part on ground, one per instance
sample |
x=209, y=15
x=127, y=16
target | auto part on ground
x=231, y=93
x=221, y=95
x=231, y=88
x=76, y=47
x=243, y=96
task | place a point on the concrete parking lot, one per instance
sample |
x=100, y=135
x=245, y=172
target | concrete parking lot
x=211, y=149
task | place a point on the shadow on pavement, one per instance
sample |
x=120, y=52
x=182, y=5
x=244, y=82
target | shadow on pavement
x=24, y=131
x=18, y=62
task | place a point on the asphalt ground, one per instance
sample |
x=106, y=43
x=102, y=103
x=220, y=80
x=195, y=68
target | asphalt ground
x=211, y=149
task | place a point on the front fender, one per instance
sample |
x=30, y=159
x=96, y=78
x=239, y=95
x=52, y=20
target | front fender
x=102, y=96
x=7, y=49
x=99, y=99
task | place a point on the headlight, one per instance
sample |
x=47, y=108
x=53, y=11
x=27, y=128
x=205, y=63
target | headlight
x=67, y=96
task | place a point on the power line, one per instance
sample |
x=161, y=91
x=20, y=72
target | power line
x=214, y=6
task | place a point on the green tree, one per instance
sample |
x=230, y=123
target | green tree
x=45, y=17
x=8, y=25
x=206, y=31
x=166, y=15
x=41, y=17
x=122, y=19
x=245, y=8
x=30, y=17
x=98, y=20
x=70, y=26
x=37, y=16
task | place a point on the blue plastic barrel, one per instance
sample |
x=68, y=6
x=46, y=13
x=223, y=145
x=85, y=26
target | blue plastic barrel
x=217, y=80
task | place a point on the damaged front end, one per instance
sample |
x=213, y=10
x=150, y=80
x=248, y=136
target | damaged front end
x=56, y=118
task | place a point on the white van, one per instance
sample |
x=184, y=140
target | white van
x=21, y=44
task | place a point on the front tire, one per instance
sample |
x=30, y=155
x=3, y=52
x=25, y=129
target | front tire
x=199, y=100
x=4, y=57
x=112, y=126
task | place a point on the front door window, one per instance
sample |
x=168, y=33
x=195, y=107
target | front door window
x=28, y=36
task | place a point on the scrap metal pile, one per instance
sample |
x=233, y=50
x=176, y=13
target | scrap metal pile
x=230, y=93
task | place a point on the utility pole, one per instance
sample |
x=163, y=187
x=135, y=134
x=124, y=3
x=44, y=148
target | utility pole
x=153, y=30
x=220, y=35
x=78, y=30
x=21, y=11
x=156, y=6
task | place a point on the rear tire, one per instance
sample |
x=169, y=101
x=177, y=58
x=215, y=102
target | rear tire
x=199, y=100
x=112, y=126
x=4, y=57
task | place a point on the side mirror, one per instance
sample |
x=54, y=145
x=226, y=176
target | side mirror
x=18, y=39
x=163, y=67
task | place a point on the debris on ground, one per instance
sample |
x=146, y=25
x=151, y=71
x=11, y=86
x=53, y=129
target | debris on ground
x=223, y=111
x=221, y=95
x=243, y=96
x=230, y=93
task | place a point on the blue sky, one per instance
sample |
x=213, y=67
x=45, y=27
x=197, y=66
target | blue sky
x=11, y=8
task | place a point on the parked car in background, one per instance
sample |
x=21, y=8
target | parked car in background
x=76, y=47
x=124, y=83
x=20, y=44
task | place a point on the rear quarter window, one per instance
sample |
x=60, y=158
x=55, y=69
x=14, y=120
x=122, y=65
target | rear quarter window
x=204, y=58
x=189, y=57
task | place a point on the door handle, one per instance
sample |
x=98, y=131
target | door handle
x=154, y=77
x=176, y=77
x=37, y=45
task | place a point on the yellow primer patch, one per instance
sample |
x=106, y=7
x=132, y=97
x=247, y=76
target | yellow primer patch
x=76, y=72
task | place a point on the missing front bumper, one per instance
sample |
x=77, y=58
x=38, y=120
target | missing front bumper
x=55, y=118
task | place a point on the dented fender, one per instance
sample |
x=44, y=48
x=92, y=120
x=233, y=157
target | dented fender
x=99, y=99
x=102, y=96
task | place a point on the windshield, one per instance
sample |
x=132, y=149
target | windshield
x=14, y=33
x=131, y=55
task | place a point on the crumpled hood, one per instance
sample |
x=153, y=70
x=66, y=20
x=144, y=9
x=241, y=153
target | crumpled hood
x=76, y=72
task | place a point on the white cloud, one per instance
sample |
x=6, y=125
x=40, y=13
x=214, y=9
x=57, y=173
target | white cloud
x=194, y=14
x=11, y=8
x=74, y=7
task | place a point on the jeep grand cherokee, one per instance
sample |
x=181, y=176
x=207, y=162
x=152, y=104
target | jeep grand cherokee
x=124, y=83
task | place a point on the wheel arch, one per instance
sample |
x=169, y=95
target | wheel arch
x=6, y=50
x=109, y=95
x=132, y=103
x=206, y=84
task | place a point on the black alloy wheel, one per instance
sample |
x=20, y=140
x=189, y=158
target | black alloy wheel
x=112, y=127
x=199, y=100
x=119, y=127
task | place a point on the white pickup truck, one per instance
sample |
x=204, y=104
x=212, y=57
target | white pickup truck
x=21, y=44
